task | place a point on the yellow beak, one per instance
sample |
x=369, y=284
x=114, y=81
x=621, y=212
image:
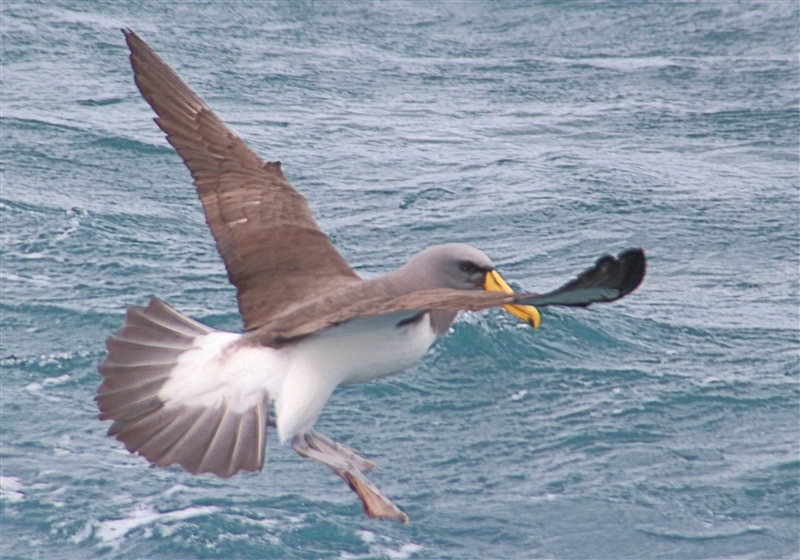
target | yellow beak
x=527, y=313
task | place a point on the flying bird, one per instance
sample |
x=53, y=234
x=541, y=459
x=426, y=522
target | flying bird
x=180, y=392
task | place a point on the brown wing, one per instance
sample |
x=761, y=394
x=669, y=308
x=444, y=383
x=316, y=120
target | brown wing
x=323, y=314
x=608, y=280
x=275, y=253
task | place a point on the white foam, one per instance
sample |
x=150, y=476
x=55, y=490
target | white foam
x=55, y=380
x=83, y=534
x=32, y=256
x=37, y=279
x=10, y=487
x=38, y=390
x=113, y=530
x=74, y=223
x=544, y=497
x=175, y=489
x=405, y=551
x=377, y=550
x=366, y=536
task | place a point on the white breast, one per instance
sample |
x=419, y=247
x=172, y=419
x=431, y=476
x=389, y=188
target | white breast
x=300, y=377
x=357, y=351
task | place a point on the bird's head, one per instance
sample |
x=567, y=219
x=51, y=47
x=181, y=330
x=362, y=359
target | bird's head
x=462, y=267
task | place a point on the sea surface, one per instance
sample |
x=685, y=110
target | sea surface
x=666, y=425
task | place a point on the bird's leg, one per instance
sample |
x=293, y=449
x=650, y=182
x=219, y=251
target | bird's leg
x=323, y=444
x=345, y=462
x=349, y=465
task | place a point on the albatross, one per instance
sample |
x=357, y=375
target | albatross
x=180, y=392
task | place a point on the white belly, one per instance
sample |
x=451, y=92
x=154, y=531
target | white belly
x=300, y=377
x=357, y=351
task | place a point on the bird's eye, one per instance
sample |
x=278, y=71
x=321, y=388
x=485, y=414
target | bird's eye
x=468, y=267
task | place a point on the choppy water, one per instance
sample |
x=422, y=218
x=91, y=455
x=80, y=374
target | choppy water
x=665, y=425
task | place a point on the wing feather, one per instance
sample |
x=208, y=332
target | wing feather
x=276, y=256
x=136, y=433
x=610, y=279
x=116, y=378
x=128, y=395
x=217, y=456
x=130, y=414
x=185, y=425
x=188, y=449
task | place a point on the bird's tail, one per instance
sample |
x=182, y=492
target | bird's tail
x=168, y=406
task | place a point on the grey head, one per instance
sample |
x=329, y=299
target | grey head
x=452, y=265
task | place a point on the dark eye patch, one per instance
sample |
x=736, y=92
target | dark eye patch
x=469, y=267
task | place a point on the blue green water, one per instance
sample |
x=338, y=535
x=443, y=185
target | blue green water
x=666, y=425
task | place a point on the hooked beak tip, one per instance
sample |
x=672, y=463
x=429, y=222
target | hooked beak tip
x=493, y=282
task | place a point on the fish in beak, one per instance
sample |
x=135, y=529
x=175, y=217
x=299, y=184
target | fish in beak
x=528, y=313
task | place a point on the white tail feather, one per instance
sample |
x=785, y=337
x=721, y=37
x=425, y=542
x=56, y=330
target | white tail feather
x=180, y=392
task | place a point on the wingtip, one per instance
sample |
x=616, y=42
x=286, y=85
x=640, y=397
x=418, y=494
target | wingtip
x=634, y=264
x=132, y=39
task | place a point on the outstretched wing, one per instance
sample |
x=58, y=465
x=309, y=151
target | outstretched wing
x=608, y=280
x=275, y=253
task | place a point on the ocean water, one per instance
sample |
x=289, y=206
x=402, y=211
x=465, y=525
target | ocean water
x=666, y=425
